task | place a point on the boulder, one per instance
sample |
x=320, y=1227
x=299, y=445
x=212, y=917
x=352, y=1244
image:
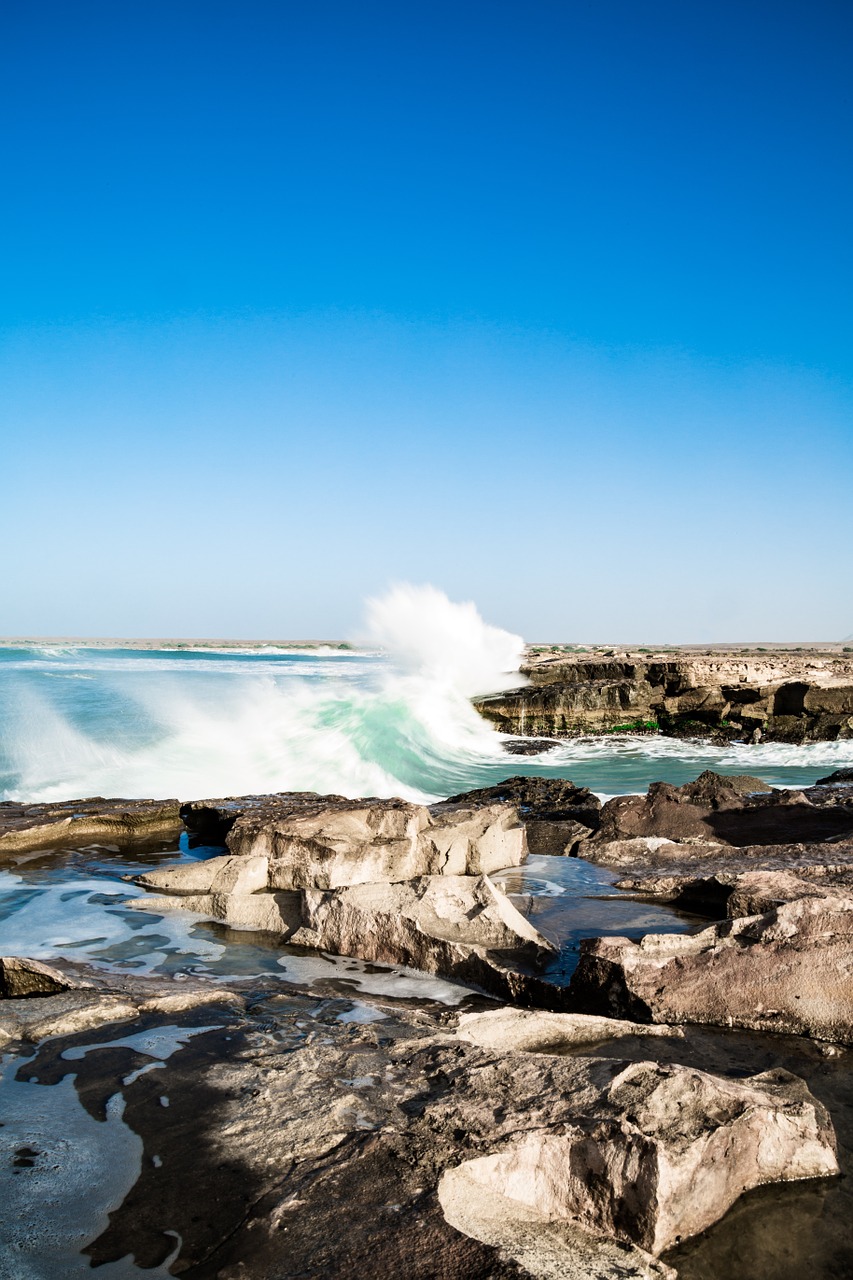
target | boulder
x=20, y=977
x=782, y=971
x=461, y=927
x=679, y=1147
x=327, y=842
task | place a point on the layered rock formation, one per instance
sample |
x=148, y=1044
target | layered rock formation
x=780, y=696
x=37, y=826
x=382, y=880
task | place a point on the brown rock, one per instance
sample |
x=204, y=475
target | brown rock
x=20, y=976
x=783, y=971
x=37, y=826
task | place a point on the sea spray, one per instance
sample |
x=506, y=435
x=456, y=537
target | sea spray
x=201, y=722
x=198, y=724
x=442, y=643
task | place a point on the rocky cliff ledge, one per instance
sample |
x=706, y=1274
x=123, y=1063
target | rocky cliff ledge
x=780, y=695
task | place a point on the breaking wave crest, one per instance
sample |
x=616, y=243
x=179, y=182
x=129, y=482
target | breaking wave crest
x=391, y=718
x=204, y=722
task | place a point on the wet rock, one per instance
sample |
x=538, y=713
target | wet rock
x=529, y=746
x=537, y=1031
x=281, y=1114
x=279, y=913
x=76, y=1011
x=24, y=827
x=836, y=778
x=680, y=1147
x=21, y=977
x=556, y=814
x=774, y=972
x=460, y=927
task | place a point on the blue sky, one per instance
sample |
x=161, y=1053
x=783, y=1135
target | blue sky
x=548, y=304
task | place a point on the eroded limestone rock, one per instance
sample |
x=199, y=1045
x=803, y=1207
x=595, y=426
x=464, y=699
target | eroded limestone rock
x=327, y=842
x=678, y=1149
x=460, y=927
x=37, y=826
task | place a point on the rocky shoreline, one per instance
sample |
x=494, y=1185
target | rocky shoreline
x=591, y=1130
x=779, y=695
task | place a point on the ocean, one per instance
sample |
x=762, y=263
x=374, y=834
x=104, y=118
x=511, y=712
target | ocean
x=202, y=722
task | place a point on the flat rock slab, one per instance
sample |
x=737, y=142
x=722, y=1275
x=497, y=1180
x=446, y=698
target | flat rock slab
x=537, y=1031
x=788, y=971
x=24, y=827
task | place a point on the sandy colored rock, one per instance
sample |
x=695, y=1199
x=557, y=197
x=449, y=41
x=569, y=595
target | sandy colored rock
x=538, y=1031
x=460, y=927
x=227, y=874
x=270, y=912
x=681, y=1147
x=788, y=971
x=328, y=842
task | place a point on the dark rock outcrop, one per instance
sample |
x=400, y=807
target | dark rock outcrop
x=556, y=814
x=734, y=811
x=779, y=696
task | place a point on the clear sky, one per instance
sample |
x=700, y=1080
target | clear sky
x=546, y=303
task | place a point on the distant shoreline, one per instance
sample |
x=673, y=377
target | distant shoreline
x=123, y=642
x=540, y=647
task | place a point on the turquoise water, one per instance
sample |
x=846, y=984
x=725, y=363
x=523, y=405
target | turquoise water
x=78, y=721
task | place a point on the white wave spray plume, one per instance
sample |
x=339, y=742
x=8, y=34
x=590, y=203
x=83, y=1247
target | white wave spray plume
x=404, y=726
x=448, y=644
